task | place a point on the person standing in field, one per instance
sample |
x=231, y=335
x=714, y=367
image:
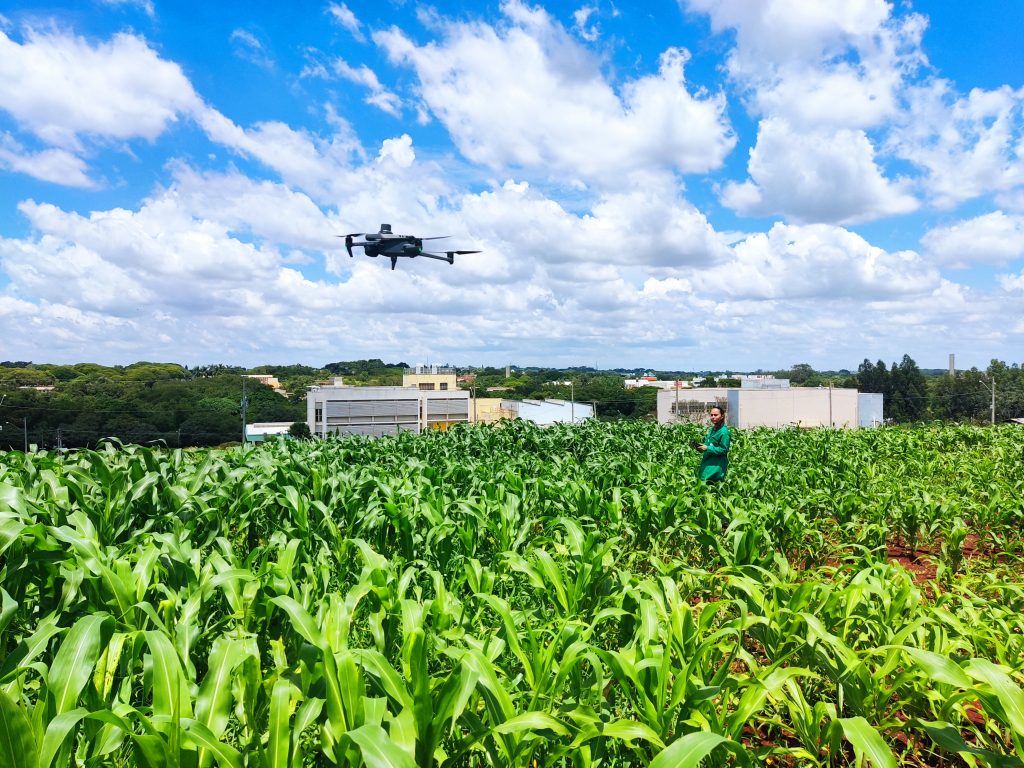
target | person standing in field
x=714, y=461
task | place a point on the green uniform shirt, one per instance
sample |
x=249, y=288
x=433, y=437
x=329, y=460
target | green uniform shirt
x=715, y=460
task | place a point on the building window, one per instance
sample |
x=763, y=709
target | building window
x=427, y=387
x=444, y=385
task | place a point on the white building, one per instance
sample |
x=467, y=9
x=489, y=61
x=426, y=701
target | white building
x=429, y=400
x=261, y=431
x=545, y=412
x=785, y=407
x=650, y=381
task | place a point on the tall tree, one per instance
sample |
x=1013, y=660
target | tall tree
x=907, y=398
x=872, y=378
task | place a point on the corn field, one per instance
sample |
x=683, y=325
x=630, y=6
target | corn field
x=517, y=596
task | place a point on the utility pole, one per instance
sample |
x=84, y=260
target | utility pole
x=24, y=422
x=245, y=405
x=572, y=402
x=992, y=385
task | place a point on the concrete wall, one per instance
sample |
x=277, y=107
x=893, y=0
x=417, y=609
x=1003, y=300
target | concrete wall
x=746, y=408
x=795, y=407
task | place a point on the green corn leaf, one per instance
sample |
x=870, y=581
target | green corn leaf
x=628, y=731
x=1010, y=695
x=948, y=737
x=151, y=751
x=17, y=742
x=201, y=736
x=171, y=698
x=867, y=742
x=213, y=704
x=57, y=732
x=689, y=750
x=377, y=749
x=301, y=620
x=28, y=649
x=75, y=660
x=532, y=721
x=8, y=607
x=940, y=668
x=279, y=735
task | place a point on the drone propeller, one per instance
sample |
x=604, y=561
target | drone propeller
x=439, y=237
x=348, y=241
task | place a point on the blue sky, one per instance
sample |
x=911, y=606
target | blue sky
x=697, y=184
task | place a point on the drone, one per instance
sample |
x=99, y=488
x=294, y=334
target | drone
x=385, y=243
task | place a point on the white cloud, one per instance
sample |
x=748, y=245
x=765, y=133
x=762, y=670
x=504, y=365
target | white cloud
x=580, y=17
x=60, y=87
x=303, y=159
x=815, y=177
x=380, y=96
x=993, y=238
x=1012, y=283
x=248, y=47
x=146, y=6
x=967, y=145
x=816, y=261
x=526, y=95
x=819, y=63
x=54, y=165
x=398, y=150
x=342, y=14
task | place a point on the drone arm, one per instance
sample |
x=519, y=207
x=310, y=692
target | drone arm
x=449, y=257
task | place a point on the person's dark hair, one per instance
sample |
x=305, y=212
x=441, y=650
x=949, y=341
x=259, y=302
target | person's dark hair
x=718, y=408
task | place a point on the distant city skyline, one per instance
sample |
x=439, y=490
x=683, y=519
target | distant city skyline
x=693, y=185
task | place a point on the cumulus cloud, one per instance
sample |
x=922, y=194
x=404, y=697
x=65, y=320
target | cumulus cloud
x=60, y=88
x=817, y=261
x=526, y=95
x=967, y=145
x=832, y=63
x=994, y=238
x=815, y=177
x=820, y=76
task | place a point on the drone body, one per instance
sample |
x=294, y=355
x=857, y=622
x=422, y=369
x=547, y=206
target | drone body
x=385, y=243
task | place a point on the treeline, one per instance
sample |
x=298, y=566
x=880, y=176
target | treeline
x=162, y=403
x=141, y=403
x=965, y=396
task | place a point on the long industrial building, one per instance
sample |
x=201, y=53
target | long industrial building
x=746, y=408
x=429, y=398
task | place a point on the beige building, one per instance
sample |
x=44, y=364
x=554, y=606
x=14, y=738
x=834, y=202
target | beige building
x=488, y=410
x=431, y=378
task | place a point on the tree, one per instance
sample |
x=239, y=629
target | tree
x=873, y=378
x=907, y=398
x=800, y=374
x=300, y=430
